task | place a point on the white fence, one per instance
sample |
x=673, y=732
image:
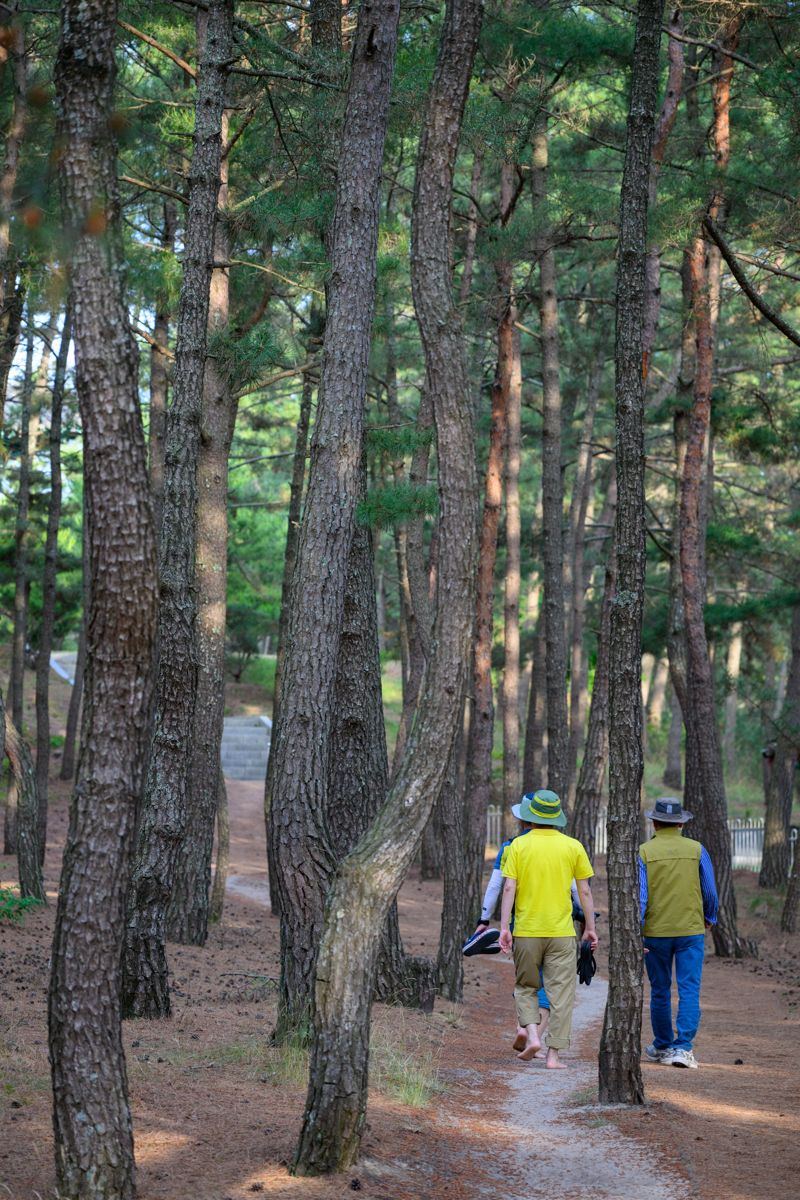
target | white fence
x=747, y=837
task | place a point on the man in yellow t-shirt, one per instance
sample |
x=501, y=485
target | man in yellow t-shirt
x=539, y=869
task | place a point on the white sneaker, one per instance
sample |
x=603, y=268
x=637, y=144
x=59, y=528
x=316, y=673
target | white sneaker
x=658, y=1056
x=683, y=1058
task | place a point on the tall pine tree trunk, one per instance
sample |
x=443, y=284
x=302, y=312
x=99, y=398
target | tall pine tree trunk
x=29, y=429
x=368, y=880
x=780, y=795
x=673, y=773
x=76, y=695
x=49, y=583
x=552, y=490
x=705, y=787
x=301, y=855
x=91, y=1118
x=24, y=781
x=620, y=1046
x=163, y=821
x=188, y=909
x=159, y=379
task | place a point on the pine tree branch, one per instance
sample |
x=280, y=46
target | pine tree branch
x=150, y=41
x=744, y=283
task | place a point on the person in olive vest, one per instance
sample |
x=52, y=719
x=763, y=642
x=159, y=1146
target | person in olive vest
x=678, y=897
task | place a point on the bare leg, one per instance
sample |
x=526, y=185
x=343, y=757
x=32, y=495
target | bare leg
x=551, y=1062
x=544, y=1014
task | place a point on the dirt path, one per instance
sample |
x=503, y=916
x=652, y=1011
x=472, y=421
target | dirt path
x=217, y=1110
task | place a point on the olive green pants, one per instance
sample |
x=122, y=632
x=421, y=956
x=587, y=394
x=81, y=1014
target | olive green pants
x=557, y=959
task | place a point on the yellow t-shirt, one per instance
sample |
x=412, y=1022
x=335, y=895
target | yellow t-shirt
x=544, y=864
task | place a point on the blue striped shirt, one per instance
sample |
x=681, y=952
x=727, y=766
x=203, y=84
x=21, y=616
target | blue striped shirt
x=708, y=888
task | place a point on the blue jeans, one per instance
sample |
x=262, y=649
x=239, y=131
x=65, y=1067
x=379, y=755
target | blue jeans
x=687, y=954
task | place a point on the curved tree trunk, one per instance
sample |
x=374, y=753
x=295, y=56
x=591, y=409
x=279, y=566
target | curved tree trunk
x=49, y=584
x=29, y=428
x=368, y=879
x=91, y=1118
x=163, y=821
x=620, y=1074
x=301, y=855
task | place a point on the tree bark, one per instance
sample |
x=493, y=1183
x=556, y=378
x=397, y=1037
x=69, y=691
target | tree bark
x=620, y=1074
x=552, y=489
x=589, y=791
x=29, y=429
x=534, y=766
x=24, y=777
x=217, y=904
x=301, y=854
x=481, y=729
x=163, y=820
x=778, y=816
x=511, y=589
x=188, y=908
x=159, y=379
x=705, y=787
x=74, y=710
x=93, y=1140
x=733, y=666
x=368, y=880
x=49, y=584
x=11, y=298
x=673, y=775
x=658, y=690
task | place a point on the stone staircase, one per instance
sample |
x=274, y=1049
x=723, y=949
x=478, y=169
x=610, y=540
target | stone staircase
x=245, y=747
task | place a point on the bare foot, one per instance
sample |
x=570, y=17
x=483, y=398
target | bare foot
x=552, y=1062
x=532, y=1045
x=520, y=1041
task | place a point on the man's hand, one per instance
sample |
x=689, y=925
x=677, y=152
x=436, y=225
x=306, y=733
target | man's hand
x=479, y=928
x=506, y=941
x=590, y=936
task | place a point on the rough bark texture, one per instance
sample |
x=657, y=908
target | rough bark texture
x=188, y=909
x=29, y=428
x=49, y=583
x=588, y=793
x=778, y=816
x=159, y=379
x=454, y=924
x=579, y=507
x=302, y=858
x=163, y=820
x=620, y=1074
x=93, y=1141
x=552, y=491
x=24, y=777
x=369, y=878
x=534, y=765
x=481, y=729
x=10, y=297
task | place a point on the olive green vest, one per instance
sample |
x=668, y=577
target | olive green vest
x=674, y=899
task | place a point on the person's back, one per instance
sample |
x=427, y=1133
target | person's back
x=678, y=900
x=544, y=863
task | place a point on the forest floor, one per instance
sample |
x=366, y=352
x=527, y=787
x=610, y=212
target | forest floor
x=452, y=1114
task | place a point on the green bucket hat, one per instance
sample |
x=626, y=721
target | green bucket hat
x=540, y=808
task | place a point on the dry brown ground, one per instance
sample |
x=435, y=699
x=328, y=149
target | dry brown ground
x=217, y=1111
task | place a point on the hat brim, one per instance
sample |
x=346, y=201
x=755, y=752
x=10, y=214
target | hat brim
x=665, y=819
x=515, y=810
